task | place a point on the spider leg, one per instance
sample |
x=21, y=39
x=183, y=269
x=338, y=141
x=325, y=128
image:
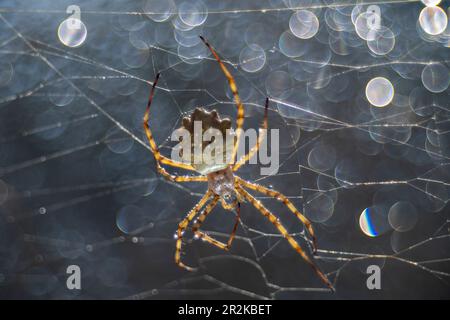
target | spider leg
x=158, y=156
x=275, y=221
x=174, y=178
x=182, y=228
x=255, y=148
x=230, y=206
x=237, y=99
x=282, y=198
x=201, y=235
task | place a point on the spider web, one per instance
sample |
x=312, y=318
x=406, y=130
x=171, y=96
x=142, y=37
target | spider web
x=78, y=182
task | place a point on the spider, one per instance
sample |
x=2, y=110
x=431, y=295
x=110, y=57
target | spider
x=223, y=185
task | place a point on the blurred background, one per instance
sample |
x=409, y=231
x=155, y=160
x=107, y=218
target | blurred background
x=358, y=91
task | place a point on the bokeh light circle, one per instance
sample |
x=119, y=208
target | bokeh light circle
x=279, y=84
x=136, y=58
x=158, y=10
x=144, y=37
x=252, y=58
x=366, y=225
x=373, y=221
x=188, y=38
x=322, y=157
x=433, y=20
x=379, y=92
x=118, y=142
x=194, y=54
x=62, y=93
x=193, y=13
x=304, y=24
x=319, y=207
x=381, y=41
x=364, y=27
x=435, y=77
x=402, y=216
x=72, y=32
x=356, y=11
x=130, y=218
x=291, y=46
x=431, y=3
x=421, y=102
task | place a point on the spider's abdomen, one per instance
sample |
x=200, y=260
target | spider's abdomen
x=208, y=155
x=221, y=182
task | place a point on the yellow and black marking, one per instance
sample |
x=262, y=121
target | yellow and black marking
x=182, y=227
x=282, y=198
x=237, y=99
x=174, y=178
x=158, y=156
x=275, y=221
x=204, y=236
x=255, y=148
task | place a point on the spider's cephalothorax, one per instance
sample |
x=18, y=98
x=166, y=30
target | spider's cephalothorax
x=223, y=184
